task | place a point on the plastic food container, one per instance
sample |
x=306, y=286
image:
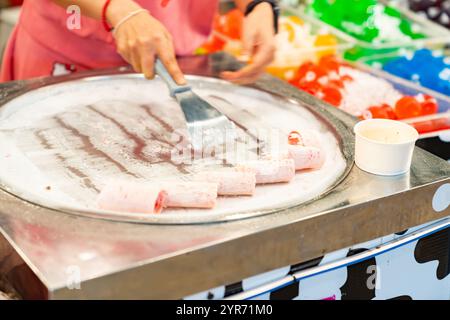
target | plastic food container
x=292, y=60
x=288, y=61
x=436, y=36
x=420, y=67
x=432, y=16
x=431, y=126
x=428, y=126
x=356, y=99
x=384, y=147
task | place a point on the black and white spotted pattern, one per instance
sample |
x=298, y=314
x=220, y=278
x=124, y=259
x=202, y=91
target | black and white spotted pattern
x=439, y=146
x=427, y=261
x=416, y=270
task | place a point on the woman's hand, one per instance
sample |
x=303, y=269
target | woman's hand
x=141, y=39
x=259, y=45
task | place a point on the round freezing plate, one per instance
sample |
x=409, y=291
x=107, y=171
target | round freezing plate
x=60, y=144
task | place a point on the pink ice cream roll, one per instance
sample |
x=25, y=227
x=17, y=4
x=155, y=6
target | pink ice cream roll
x=202, y=195
x=132, y=197
x=305, y=138
x=230, y=182
x=306, y=157
x=271, y=170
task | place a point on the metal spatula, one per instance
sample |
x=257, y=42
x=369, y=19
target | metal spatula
x=207, y=126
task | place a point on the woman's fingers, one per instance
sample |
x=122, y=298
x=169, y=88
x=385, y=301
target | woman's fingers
x=140, y=39
x=167, y=56
x=243, y=80
x=148, y=64
x=258, y=43
x=263, y=56
x=135, y=57
x=239, y=78
x=128, y=48
x=122, y=49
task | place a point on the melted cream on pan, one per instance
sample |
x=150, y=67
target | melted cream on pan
x=61, y=144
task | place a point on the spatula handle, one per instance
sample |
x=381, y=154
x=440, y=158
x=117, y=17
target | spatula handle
x=174, y=88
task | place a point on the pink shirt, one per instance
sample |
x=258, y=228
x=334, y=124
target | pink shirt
x=44, y=24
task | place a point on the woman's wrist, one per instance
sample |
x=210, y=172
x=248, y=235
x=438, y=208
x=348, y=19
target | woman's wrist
x=264, y=8
x=118, y=9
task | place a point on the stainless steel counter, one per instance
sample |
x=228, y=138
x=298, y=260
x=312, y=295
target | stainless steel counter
x=45, y=252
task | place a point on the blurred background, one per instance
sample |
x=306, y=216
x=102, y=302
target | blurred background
x=370, y=58
x=9, y=14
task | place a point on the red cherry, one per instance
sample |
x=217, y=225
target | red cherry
x=380, y=112
x=213, y=44
x=332, y=95
x=389, y=112
x=294, y=82
x=229, y=24
x=330, y=63
x=408, y=107
x=336, y=83
x=375, y=112
x=429, y=105
x=310, y=87
x=294, y=138
x=303, y=70
x=347, y=78
x=320, y=71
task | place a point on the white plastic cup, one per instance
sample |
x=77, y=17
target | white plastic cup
x=384, y=147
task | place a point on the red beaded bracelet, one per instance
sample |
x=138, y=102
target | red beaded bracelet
x=107, y=27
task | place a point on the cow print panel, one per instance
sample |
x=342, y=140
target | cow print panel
x=401, y=298
x=291, y=291
x=234, y=288
x=305, y=265
x=436, y=146
x=401, y=232
x=288, y=292
x=435, y=247
x=355, y=287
